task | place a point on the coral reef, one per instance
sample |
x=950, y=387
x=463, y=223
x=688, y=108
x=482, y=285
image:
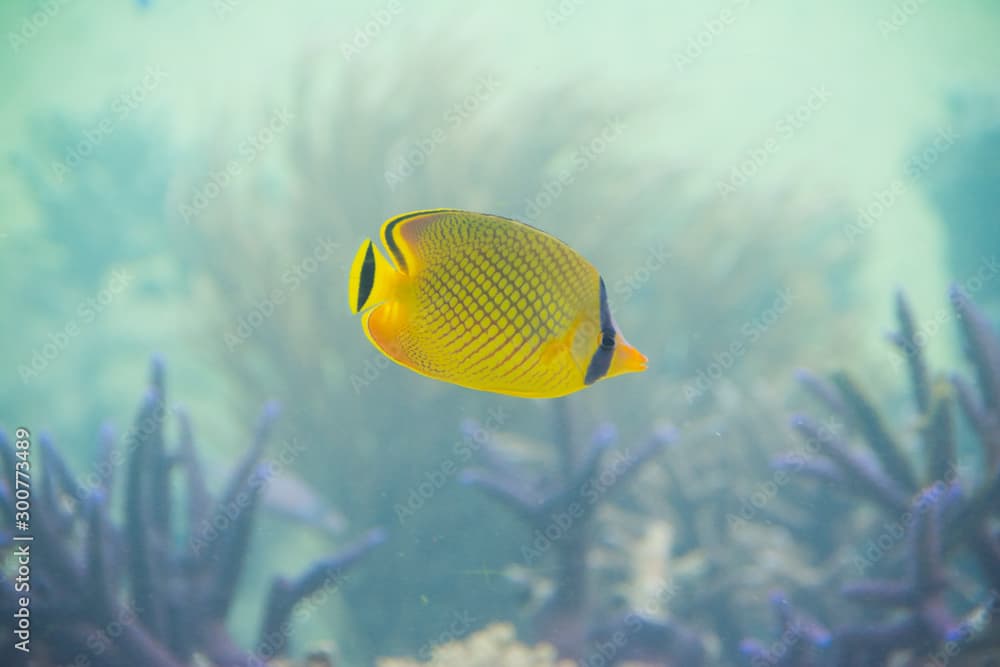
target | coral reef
x=936, y=517
x=560, y=509
x=272, y=248
x=157, y=590
x=490, y=647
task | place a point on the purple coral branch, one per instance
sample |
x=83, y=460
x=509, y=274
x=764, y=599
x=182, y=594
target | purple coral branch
x=944, y=516
x=64, y=481
x=870, y=480
x=145, y=577
x=561, y=517
x=233, y=547
x=981, y=346
x=801, y=637
x=105, y=460
x=508, y=491
x=225, y=557
x=927, y=621
x=98, y=565
x=912, y=349
x=177, y=608
x=286, y=593
x=986, y=426
x=644, y=640
x=938, y=435
x=820, y=469
x=824, y=391
x=869, y=423
x=198, y=499
x=928, y=574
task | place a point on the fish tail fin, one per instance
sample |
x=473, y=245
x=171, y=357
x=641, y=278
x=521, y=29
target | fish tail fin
x=372, y=278
x=627, y=359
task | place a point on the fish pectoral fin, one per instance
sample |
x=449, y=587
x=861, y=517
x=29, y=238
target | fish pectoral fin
x=551, y=350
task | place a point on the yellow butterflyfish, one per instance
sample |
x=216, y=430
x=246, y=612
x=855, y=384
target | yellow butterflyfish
x=488, y=303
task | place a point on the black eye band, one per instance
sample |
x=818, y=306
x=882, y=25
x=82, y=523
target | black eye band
x=367, y=280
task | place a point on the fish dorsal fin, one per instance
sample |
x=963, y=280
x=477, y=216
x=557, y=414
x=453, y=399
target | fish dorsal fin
x=401, y=235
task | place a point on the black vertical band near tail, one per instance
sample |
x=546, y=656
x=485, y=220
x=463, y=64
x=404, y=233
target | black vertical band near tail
x=601, y=361
x=367, y=278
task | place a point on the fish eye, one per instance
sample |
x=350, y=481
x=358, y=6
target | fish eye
x=607, y=340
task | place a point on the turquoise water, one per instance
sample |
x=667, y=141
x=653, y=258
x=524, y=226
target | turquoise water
x=185, y=185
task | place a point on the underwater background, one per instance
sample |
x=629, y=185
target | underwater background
x=225, y=472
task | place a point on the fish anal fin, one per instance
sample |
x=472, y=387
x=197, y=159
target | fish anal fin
x=401, y=236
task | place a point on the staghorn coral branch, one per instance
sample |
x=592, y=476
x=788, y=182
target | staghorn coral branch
x=820, y=469
x=986, y=426
x=244, y=469
x=879, y=592
x=64, y=481
x=47, y=499
x=98, y=577
x=945, y=516
x=198, y=499
x=825, y=392
x=221, y=650
x=868, y=421
x=56, y=556
x=90, y=644
x=870, y=481
x=532, y=505
x=158, y=477
x=927, y=621
x=906, y=340
x=286, y=594
x=507, y=491
x=106, y=461
x=801, y=637
x=238, y=486
x=143, y=576
x=231, y=558
x=866, y=644
x=986, y=548
x=981, y=347
x=938, y=435
x=647, y=640
x=173, y=615
x=578, y=483
x=650, y=447
x=928, y=570
x=562, y=519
